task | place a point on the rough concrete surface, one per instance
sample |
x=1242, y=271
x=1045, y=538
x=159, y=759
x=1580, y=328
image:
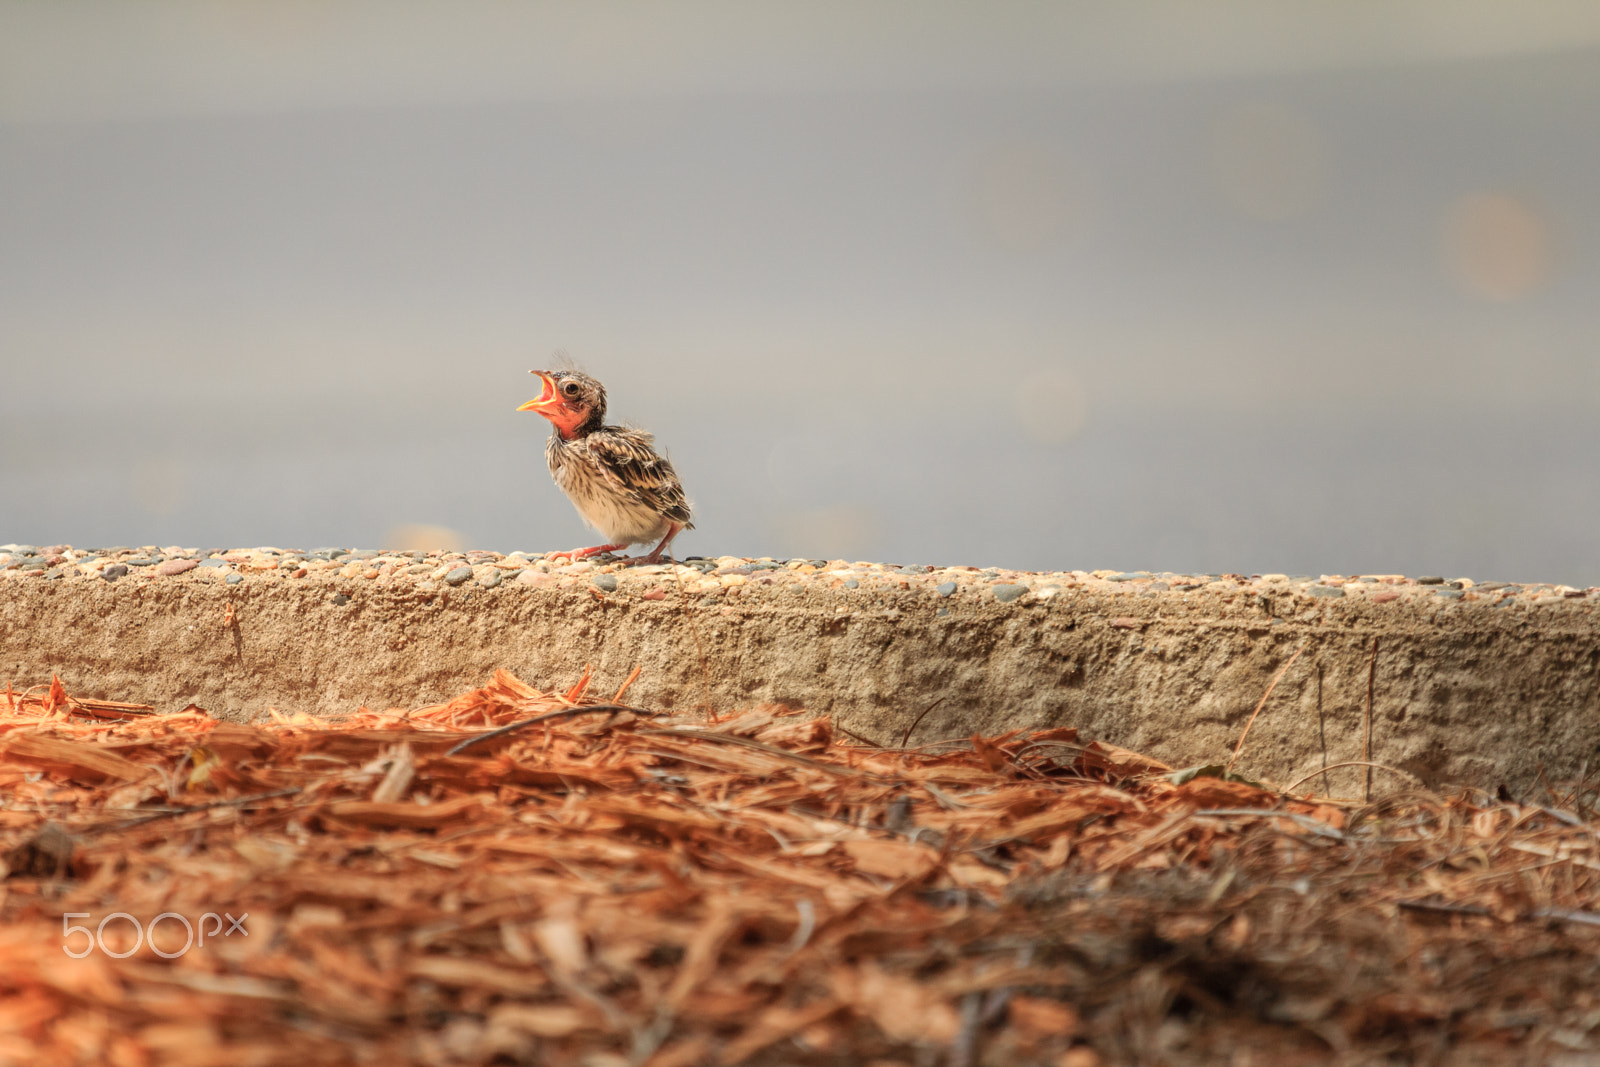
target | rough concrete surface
x=1478, y=686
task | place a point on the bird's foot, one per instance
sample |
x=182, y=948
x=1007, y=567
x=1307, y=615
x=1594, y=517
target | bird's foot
x=655, y=554
x=577, y=554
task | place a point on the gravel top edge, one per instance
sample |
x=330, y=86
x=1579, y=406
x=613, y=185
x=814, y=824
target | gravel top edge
x=429, y=570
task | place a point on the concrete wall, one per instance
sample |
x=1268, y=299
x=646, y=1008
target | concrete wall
x=1483, y=690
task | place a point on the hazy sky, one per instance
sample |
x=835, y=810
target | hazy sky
x=1238, y=286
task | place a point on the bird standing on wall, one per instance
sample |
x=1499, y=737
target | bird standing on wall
x=612, y=474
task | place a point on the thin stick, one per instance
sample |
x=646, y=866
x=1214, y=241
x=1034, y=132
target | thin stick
x=1366, y=735
x=758, y=746
x=1276, y=679
x=1354, y=763
x=918, y=721
x=101, y=708
x=1444, y=908
x=546, y=717
x=858, y=737
x=1322, y=731
x=167, y=813
x=1571, y=916
x=1321, y=829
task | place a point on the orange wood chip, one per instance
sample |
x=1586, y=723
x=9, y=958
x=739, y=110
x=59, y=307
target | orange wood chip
x=604, y=886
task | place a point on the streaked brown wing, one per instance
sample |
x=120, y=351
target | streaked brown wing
x=629, y=459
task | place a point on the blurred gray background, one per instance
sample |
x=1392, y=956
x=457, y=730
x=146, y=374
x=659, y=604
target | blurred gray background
x=1310, y=288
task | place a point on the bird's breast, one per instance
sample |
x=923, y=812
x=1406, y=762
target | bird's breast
x=605, y=503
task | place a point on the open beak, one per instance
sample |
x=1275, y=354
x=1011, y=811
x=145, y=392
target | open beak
x=545, y=398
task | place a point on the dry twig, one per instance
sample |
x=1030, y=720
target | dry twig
x=1239, y=748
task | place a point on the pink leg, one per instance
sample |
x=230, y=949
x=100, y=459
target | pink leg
x=655, y=555
x=583, y=553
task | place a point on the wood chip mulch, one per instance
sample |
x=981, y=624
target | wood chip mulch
x=612, y=885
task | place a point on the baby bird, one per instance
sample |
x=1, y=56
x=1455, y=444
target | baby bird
x=612, y=474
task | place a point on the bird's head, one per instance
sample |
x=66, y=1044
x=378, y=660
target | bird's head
x=573, y=402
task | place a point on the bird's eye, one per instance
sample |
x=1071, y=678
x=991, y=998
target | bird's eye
x=571, y=388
